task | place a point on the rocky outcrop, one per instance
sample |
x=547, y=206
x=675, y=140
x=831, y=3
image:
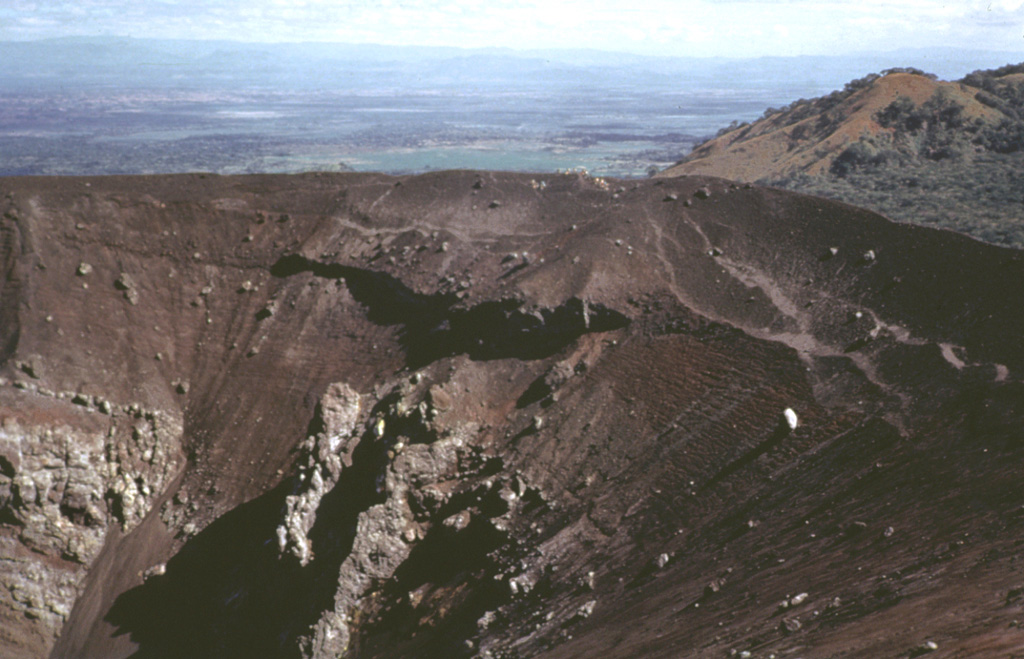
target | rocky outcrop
x=327, y=453
x=51, y=496
x=361, y=415
x=384, y=538
x=71, y=465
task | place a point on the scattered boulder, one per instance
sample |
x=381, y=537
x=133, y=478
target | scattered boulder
x=126, y=284
x=790, y=419
x=586, y=610
x=154, y=571
x=714, y=586
x=458, y=521
x=266, y=312
x=790, y=625
x=925, y=648
x=30, y=368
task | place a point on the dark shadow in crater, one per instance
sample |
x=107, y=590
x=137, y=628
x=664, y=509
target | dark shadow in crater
x=432, y=327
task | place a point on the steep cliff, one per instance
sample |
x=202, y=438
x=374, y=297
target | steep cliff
x=500, y=415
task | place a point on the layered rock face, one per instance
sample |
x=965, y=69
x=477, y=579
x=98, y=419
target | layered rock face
x=501, y=415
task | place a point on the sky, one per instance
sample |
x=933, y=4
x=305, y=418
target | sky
x=703, y=28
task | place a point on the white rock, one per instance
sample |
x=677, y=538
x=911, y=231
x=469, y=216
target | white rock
x=791, y=419
x=154, y=571
x=282, y=538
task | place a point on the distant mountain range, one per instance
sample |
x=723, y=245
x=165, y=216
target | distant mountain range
x=123, y=61
x=901, y=142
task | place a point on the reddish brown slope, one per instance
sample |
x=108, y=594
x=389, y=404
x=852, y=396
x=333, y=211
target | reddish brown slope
x=808, y=136
x=568, y=436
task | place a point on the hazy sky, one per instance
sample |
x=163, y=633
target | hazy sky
x=666, y=27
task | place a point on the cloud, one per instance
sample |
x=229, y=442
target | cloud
x=677, y=27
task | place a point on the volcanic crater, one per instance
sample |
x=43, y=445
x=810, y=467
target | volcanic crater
x=501, y=415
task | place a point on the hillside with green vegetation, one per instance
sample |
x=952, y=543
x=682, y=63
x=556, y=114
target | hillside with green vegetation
x=946, y=154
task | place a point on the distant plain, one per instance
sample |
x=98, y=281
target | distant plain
x=124, y=106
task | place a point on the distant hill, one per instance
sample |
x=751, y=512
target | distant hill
x=903, y=143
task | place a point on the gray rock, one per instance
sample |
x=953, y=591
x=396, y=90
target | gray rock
x=458, y=521
x=126, y=284
x=790, y=625
x=587, y=609
x=53, y=487
x=340, y=407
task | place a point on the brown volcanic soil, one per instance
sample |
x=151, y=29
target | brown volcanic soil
x=595, y=457
x=805, y=140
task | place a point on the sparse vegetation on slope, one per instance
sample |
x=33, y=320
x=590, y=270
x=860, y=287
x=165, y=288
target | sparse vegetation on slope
x=946, y=154
x=984, y=200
